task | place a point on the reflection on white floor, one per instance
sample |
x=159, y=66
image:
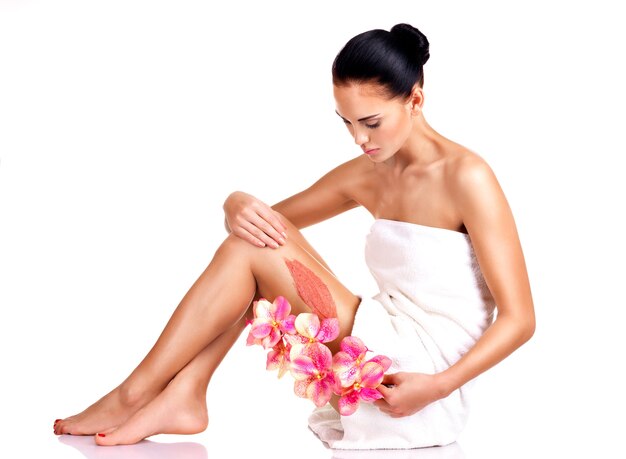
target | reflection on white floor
x=191, y=450
x=452, y=451
x=144, y=449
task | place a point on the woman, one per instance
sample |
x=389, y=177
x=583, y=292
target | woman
x=443, y=248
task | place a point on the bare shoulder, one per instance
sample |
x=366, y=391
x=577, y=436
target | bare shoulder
x=469, y=175
x=480, y=200
x=357, y=165
x=352, y=174
x=466, y=164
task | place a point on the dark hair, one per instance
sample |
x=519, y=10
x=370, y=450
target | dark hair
x=393, y=59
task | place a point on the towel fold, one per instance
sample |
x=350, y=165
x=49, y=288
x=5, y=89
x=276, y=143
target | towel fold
x=432, y=307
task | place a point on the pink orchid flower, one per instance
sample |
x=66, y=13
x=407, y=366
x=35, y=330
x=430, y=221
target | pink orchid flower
x=311, y=367
x=351, y=358
x=271, y=321
x=367, y=379
x=278, y=358
x=310, y=330
x=357, y=377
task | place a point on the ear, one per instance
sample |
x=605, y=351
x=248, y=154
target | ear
x=416, y=100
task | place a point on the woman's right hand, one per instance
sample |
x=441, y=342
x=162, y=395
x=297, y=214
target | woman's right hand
x=253, y=220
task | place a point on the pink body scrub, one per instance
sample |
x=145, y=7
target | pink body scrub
x=312, y=290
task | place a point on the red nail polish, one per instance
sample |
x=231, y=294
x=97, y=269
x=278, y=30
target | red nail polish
x=101, y=435
x=57, y=420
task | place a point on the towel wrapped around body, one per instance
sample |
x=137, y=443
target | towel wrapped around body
x=432, y=307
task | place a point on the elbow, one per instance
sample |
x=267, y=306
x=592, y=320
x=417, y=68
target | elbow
x=528, y=329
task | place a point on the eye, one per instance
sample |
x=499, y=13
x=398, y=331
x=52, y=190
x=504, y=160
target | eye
x=373, y=125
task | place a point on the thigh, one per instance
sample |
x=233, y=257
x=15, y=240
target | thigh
x=296, y=271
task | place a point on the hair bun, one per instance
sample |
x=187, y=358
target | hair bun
x=413, y=39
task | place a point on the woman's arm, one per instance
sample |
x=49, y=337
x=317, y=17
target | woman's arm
x=489, y=221
x=251, y=219
x=491, y=226
x=326, y=198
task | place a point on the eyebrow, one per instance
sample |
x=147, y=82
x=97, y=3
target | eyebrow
x=360, y=119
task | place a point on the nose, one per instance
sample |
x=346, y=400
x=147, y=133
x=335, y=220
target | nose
x=360, y=137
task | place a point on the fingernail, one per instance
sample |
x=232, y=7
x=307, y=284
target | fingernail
x=101, y=435
x=284, y=234
x=281, y=240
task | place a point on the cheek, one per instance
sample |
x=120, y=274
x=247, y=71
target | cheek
x=395, y=132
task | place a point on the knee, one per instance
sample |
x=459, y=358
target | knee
x=233, y=243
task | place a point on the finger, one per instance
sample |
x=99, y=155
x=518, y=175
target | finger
x=385, y=391
x=247, y=235
x=281, y=226
x=256, y=226
x=272, y=226
x=390, y=379
x=382, y=404
x=263, y=231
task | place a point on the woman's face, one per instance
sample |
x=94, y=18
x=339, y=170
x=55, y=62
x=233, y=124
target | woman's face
x=379, y=126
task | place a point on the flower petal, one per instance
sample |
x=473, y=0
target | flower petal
x=299, y=388
x=369, y=395
x=321, y=356
x=371, y=375
x=288, y=325
x=263, y=309
x=282, y=308
x=329, y=330
x=295, y=339
x=273, y=360
x=353, y=346
x=307, y=324
x=302, y=367
x=260, y=328
x=278, y=359
x=345, y=368
x=348, y=403
x=276, y=356
x=296, y=350
x=284, y=367
x=382, y=360
x=320, y=390
x=275, y=336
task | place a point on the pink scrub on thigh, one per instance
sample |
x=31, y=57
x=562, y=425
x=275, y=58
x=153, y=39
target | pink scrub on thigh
x=312, y=290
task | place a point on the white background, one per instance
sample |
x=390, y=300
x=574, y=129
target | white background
x=125, y=124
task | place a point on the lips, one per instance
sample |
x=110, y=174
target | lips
x=371, y=150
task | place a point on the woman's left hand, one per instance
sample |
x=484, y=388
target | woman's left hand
x=410, y=393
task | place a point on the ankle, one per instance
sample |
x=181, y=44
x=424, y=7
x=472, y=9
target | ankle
x=132, y=394
x=192, y=386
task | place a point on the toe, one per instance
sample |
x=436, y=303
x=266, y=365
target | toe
x=107, y=438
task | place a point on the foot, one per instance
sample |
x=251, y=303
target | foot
x=179, y=409
x=108, y=412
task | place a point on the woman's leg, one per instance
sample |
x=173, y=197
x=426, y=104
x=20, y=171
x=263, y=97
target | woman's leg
x=216, y=302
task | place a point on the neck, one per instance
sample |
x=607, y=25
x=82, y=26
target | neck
x=420, y=149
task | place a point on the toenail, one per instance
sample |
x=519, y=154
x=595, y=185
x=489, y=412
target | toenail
x=101, y=435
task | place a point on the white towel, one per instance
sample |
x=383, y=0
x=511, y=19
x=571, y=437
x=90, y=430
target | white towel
x=432, y=307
